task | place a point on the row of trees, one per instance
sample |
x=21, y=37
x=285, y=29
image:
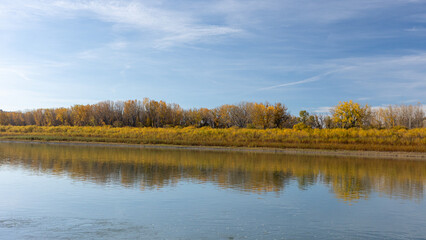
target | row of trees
x=151, y=113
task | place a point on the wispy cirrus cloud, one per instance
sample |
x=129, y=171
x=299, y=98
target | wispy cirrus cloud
x=165, y=27
x=307, y=80
x=322, y=110
x=301, y=12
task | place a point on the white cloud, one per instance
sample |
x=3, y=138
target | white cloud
x=166, y=27
x=322, y=109
x=168, y=23
x=117, y=45
x=196, y=35
x=88, y=54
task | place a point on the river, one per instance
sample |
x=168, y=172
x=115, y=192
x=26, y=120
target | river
x=99, y=192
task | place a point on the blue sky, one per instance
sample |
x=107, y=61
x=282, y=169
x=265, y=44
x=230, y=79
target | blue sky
x=305, y=54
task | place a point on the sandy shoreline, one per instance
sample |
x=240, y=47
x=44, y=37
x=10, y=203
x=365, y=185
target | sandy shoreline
x=322, y=152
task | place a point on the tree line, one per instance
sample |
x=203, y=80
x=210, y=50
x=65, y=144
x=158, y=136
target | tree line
x=151, y=113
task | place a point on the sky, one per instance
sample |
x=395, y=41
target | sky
x=306, y=54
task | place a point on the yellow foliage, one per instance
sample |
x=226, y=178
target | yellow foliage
x=349, y=114
x=354, y=138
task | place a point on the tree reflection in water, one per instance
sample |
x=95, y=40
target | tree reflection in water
x=349, y=178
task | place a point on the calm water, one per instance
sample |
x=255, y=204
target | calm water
x=75, y=192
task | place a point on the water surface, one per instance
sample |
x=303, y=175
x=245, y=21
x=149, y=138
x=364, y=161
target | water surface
x=71, y=192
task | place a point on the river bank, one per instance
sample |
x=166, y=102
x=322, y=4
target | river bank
x=389, y=143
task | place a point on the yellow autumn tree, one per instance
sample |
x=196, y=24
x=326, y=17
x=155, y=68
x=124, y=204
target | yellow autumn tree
x=349, y=114
x=130, y=113
x=62, y=116
x=258, y=115
x=80, y=114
